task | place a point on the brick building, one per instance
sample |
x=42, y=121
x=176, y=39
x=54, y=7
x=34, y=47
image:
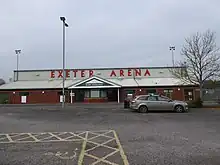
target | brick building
x=94, y=85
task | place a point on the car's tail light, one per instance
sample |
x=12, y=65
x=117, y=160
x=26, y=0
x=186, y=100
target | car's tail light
x=133, y=102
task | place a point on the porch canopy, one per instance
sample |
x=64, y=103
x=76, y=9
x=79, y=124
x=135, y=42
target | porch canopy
x=95, y=88
x=94, y=82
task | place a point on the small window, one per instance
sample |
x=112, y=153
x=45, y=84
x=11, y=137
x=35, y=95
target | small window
x=23, y=93
x=152, y=98
x=95, y=93
x=168, y=92
x=60, y=93
x=151, y=91
x=188, y=94
x=142, y=98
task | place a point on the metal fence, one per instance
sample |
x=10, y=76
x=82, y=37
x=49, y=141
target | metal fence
x=211, y=95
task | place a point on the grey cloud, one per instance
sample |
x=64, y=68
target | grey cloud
x=106, y=33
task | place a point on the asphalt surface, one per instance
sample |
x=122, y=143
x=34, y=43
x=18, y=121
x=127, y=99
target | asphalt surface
x=162, y=138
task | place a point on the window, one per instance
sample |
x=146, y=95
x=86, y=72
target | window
x=142, y=98
x=168, y=92
x=188, y=94
x=162, y=98
x=23, y=93
x=152, y=98
x=87, y=94
x=130, y=92
x=95, y=93
x=60, y=93
x=103, y=93
x=150, y=91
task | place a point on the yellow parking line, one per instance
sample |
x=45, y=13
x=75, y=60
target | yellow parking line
x=100, y=145
x=9, y=138
x=103, y=158
x=123, y=156
x=98, y=135
x=82, y=153
x=23, y=138
x=48, y=141
x=105, y=161
x=36, y=140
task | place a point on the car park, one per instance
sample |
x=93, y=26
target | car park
x=152, y=102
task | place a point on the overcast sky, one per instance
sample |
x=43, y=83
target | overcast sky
x=101, y=33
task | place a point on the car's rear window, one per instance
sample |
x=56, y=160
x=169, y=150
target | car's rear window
x=142, y=98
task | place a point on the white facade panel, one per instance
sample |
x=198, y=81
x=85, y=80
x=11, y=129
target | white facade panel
x=125, y=77
x=104, y=73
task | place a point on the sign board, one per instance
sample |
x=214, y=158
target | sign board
x=24, y=99
x=94, y=83
x=108, y=73
x=61, y=98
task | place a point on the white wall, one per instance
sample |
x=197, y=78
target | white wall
x=105, y=73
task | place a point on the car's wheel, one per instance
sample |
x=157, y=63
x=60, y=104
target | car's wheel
x=179, y=109
x=143, y=109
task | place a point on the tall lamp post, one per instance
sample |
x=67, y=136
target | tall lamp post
x=17, y=52
x=63, y=19
x=172, y=48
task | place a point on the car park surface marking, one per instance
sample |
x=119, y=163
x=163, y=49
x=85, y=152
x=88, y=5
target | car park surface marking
x=100, y=146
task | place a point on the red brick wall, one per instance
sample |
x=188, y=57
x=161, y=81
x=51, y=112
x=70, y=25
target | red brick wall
x=52, y=96
x=178, y=92
x=35, y=96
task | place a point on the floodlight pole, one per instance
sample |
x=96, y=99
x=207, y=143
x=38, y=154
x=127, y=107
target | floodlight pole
x=64, y=75
x=172, y=48
x=17, y=52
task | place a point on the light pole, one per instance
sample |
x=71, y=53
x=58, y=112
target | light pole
x=172, y=48
x=17, y=52
x=63, y=19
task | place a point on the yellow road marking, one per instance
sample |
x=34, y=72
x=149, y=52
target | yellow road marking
x=83, y=137
x=98, y=135
x=103, y=158
x=100, y=145
x=105, y=161
x=9, y=138
x=77, y=135
x=22, y=138
x=82, y=153
x=33, y=137
x=52, y=135
x=123, y=156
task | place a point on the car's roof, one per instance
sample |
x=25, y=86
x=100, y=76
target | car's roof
x=148, y=95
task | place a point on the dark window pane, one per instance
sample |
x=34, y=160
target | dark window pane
x=142, y=98
x=23, y=93
x=152, y=98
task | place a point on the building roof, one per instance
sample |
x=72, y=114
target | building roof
x=57, y=84
x=149, y=82
x=31, y=85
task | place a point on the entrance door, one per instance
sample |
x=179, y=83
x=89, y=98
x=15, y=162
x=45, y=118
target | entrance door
x=79, y=95
x=112, y=95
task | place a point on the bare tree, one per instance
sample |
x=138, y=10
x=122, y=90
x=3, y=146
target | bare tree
x=201, y=60
x=2, y=82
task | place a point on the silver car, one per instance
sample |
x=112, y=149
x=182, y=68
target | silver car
x=145, y=103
